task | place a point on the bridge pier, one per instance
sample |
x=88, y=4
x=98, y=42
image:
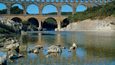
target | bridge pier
x=74, y=8
x=40, y=7
x=8, y=8
x=24, y=11
x=59, y=11
x=40, y=25
x=58, y=25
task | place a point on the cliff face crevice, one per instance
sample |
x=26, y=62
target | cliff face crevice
x=88, y=24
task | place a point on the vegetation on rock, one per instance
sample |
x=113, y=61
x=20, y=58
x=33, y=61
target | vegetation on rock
x=96, y=12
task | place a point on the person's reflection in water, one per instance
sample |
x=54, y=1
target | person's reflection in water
x=74, y=56
x=42, y=57
x=53, y=58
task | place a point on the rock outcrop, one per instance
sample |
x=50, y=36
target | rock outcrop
x=8, y=26
x=100, y=25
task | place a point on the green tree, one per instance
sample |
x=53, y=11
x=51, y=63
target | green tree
x=99, y=12
x=16, y=10
x=4, y=11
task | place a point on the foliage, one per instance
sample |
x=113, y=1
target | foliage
x=4, y=11
x=13, y=10
x=16, y=10
x=96, y=12
x=25, y=23
x=49, y=24
x=52, y=13
x=66, y=13
x=62, y=13
x=51, y=21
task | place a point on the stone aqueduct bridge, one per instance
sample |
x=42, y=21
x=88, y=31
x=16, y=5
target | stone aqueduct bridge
x=42, y=3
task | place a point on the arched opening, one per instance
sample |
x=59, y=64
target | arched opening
x=16, y=9
x=3, y=8
x=65, y=22
x=48, y=0
x=49, y=24
x=81, y=8
x=88, y=1
x=18, y=24
x=32, y=9
x=33, y=24
x=16, y=19
x=66, y=10
x=49, y=10
x=83, y=0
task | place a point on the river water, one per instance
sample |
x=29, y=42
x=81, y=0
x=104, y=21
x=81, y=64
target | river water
x=93, y=48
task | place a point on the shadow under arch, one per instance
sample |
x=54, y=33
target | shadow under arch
x=49, y=24
x=33, y=24
x=3, y=10
x=17, y=19
x=65, y=22
x=17, y=24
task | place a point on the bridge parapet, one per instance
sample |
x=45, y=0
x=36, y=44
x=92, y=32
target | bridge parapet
x=54, y=1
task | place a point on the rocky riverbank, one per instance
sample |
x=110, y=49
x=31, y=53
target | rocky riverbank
x=106, y=24
x=8, y=26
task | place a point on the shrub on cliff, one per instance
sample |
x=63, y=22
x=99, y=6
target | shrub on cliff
x=96, y=12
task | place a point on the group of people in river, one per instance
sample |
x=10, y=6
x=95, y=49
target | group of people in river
x=12, y=46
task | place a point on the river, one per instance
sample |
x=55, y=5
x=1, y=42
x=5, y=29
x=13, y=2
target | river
x=93, y=48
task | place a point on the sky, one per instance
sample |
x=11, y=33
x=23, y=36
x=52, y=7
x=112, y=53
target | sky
x=33, y=9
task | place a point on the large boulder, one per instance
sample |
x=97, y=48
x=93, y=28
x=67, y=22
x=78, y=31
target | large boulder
x=54, y=49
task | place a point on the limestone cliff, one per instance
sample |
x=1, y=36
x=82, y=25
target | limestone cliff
x=88, y=24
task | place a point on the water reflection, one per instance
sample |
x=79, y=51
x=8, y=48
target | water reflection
x=94, y=48
x=81, y=53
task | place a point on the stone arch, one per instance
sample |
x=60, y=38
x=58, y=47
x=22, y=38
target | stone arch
x=17, y=23
x=33, y=21
x=86, y=1
x=3, y=10
x=49, y=24
x=33, y=24
x=49, y=4
x=65, y=22
x=17, y=19
x=32, y=9
x=79, y=6
x=48, y=1
x=83, y=0
x=18, y=4
x=54, y=12
x=16, y=8
x=66, y=12
x=67, y=4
